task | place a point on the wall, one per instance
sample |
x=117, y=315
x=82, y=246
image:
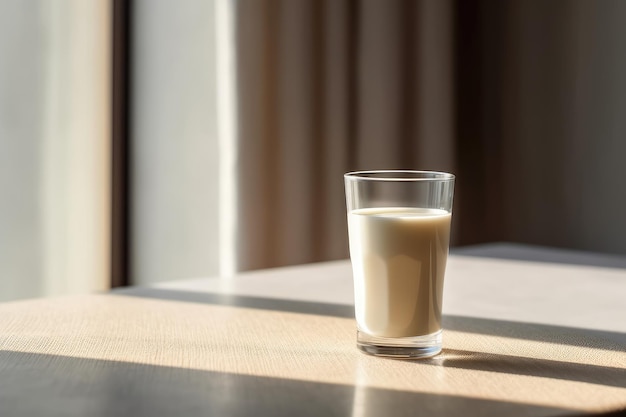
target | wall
x=544, y=125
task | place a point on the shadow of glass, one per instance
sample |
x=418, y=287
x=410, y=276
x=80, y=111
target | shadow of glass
x=490, y=362
x=572, y=336
x=37, y=384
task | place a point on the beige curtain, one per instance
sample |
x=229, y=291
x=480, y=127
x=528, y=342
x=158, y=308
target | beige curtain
x=521, y=99
x=326, y=87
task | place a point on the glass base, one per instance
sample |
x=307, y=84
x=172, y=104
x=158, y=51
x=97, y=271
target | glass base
x=400, y=347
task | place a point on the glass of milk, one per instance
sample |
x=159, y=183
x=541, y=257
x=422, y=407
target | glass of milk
x=399, y=230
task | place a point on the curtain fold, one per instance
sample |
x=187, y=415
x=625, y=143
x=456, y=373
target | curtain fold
x=326, y=87
x=522, y=99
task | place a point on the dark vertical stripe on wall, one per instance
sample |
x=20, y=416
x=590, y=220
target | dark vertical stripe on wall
x=120, y=143
x=470, y=194
x=480, y=46
x=495, y=54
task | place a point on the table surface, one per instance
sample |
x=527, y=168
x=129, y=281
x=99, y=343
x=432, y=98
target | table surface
x=521, y=338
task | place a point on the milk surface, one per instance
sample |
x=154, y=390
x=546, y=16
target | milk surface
x=399, y=258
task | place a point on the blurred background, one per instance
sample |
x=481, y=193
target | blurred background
x=151, y=140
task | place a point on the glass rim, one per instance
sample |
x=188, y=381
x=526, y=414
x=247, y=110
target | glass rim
x=373, y=175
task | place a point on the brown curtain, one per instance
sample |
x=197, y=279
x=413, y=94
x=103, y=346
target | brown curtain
x=493, y=91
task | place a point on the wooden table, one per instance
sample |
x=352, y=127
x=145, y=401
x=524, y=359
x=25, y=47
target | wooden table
x=521, y=338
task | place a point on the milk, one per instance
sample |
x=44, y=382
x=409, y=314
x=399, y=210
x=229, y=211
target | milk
x=399, y=259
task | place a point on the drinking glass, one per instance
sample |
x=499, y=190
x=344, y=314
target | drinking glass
x=399, y=232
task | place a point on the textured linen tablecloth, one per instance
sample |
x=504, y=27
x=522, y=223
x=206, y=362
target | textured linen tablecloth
x=521, y=339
